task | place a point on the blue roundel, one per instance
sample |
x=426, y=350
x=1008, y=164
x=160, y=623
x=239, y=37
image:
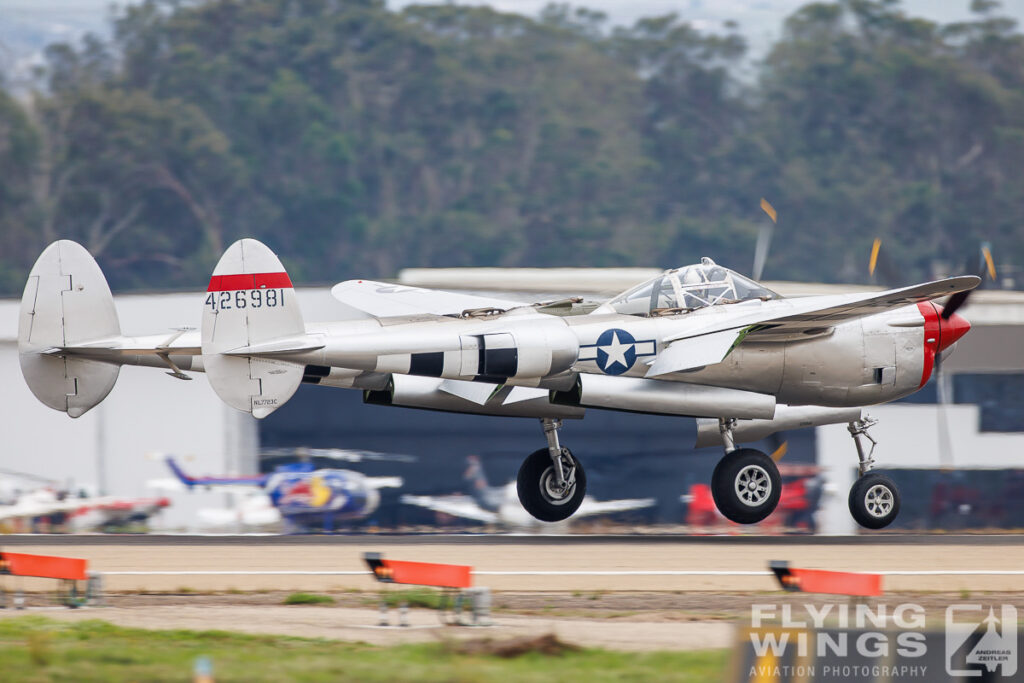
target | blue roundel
x=616, y=351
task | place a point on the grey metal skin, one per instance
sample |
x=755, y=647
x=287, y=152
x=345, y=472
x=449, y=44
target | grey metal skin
x=836, y=369
x=709, y=432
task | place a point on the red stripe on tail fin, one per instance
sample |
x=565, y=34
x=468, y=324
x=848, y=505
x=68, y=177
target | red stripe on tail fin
x=231, y=283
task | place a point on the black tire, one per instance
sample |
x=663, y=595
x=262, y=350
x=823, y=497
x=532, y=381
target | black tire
x=874, y=501
x=534, y=473
x=755, y=503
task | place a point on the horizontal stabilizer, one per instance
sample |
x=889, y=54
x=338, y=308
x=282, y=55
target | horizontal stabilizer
x=279, y=346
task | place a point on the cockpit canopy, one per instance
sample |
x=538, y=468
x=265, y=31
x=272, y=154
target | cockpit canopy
x=689, y=288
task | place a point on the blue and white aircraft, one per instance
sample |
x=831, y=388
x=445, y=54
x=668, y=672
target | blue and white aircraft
x=305, y=497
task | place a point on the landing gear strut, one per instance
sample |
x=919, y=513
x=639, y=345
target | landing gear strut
x=874, y=499
x=746, y=484
x=551, y=482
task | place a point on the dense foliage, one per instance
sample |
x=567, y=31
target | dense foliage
x=356, y=140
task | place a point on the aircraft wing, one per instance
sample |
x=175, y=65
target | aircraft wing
x=384, y=482
x=455, y=506
x=30, y=508
x=262, y=513
x=711, y=343
x=832, y=310
x=383, y=300
x=591, y=507
x=165, y=484
x=21, y=512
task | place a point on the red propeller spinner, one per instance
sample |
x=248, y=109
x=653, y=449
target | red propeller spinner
x=942, y=329
x=951, y=328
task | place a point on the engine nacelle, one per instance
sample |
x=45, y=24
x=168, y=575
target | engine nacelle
x=867, y=361
x=641, y=395
x=786, y=417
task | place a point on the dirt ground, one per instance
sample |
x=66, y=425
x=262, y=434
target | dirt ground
x=537, y=587
x=631, y=621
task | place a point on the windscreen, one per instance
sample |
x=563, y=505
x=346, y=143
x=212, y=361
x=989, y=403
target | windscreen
x=689, y=288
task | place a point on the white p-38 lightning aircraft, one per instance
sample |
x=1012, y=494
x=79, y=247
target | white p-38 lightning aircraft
x=699, y=341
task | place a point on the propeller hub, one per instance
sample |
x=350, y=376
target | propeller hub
x=942, y=329
x=951, y=329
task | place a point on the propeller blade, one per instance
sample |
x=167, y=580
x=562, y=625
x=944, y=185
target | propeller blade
x=955, y=301
x=780, y=452
x=942, y=397
x=764, y=239
x=881, y=264
x=986, y=252
x=984, y=266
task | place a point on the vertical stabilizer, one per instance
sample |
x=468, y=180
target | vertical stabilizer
x=66, y=303
x=250, y=301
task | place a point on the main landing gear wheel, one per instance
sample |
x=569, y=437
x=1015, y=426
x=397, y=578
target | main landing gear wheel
x=746, y=486
x=539, y=492
x=874, y=501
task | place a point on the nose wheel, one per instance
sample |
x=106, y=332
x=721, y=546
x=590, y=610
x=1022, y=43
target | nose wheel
x=874, y=499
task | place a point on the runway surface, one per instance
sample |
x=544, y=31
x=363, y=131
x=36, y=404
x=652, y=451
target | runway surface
x=388, y=539
x=537, y=563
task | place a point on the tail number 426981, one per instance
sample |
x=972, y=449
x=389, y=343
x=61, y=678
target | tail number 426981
x=245, y=298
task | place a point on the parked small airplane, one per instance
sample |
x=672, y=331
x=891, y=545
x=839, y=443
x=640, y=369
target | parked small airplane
x=500, y=504
x=110, y=513
x=307, y=498
x=66, y=512
x=698, y=341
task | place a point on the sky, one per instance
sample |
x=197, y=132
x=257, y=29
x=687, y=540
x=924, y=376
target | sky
x=26, y=26
x=759, y=20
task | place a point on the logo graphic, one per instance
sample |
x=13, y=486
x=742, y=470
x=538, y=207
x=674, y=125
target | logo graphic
x=616, y=351
x=979, y=641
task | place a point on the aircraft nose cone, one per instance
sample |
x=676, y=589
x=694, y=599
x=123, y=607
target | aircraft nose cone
x=951, y=329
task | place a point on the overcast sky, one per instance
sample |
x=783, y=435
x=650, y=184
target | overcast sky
x=28, y=25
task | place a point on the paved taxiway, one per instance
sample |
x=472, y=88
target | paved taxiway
x=393, y=539
x=535, y=563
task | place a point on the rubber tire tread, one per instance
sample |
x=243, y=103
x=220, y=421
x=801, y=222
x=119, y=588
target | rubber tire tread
x=528, y=488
